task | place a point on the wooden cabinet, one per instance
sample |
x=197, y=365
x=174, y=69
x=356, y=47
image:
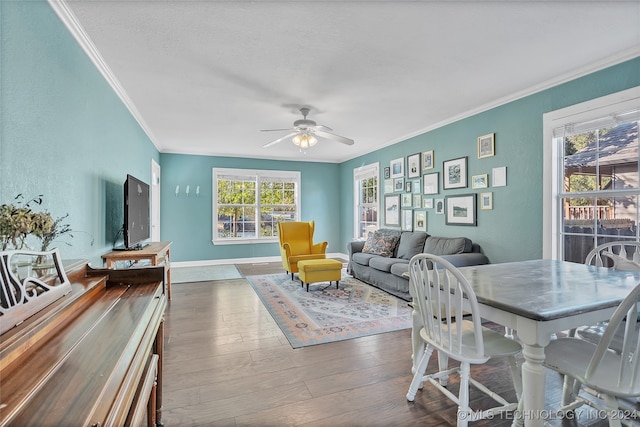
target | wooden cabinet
x=91, y=358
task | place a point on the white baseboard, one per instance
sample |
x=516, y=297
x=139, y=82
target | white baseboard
x=256, y=260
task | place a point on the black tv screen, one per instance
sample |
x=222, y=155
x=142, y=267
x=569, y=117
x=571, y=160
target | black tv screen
x=137, y=221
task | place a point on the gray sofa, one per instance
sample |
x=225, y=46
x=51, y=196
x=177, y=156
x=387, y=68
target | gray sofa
x=384, y=268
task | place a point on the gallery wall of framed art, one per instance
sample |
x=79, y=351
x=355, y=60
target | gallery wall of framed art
x=415, y=185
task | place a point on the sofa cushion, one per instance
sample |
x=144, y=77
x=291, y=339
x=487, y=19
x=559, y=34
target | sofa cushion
x=399, y=269
x=385, y=264
x=381, y=242
x=411, y=243
x=363, y=259
x=447, y=245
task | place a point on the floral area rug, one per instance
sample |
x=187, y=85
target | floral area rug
x=326, y=314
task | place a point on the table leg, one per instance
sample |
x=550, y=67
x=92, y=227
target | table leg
x=533, y=386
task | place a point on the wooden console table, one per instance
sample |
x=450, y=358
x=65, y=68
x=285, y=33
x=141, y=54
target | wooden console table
x=156, y=252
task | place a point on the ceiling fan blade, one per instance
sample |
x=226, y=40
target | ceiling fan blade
x=275, y=130
x=269, y=144
x=322, y=127
x=334, y=137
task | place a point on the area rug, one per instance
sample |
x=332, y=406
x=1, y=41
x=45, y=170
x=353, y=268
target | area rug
x=326, y=314
x=204, y=273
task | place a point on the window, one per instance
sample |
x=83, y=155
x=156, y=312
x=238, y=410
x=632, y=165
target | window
x=365, y=184
x=595, y=185
x=247, y=204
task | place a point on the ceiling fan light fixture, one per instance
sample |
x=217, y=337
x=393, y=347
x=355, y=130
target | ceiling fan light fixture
x=304, y=141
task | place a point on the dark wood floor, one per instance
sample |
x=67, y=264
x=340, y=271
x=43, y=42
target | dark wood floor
x=228, y=364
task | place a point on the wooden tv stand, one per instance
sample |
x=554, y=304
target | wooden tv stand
x=156, y=252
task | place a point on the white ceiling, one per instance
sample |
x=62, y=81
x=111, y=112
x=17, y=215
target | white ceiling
x=204, y=77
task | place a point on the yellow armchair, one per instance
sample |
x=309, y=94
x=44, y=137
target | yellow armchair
x=296, y=244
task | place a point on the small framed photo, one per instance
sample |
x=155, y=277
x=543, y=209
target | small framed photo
x=439, y=205
x=388, y=186
x=499, y=176
x=415, y=186
x=397, y=168
x=406, y=200
x=417, y=200
x=427, y=203
x=413, y=166
x=430, y=183
x=427, y=160
x=461, y=210
x=486, y=145
x=480, y=181
x=486, y=201
x=398, y=184
x=407, y=186
x=392, y=210
x=454, y=173
x=387, y=172
x=407, y=220
x=420, y=221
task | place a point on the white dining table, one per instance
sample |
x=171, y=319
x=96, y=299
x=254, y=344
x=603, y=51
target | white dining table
x=537, y=299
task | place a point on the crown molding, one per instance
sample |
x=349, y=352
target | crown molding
x=76, y=29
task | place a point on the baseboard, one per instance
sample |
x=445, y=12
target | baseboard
x=256, y=260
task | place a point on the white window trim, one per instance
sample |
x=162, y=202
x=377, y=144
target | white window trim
x=585, y=111
x=359, y=173
x=294, y=175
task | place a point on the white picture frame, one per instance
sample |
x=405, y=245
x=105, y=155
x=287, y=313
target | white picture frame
x=397, y=168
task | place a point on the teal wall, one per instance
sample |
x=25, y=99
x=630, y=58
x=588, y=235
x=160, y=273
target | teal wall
x=64, y=133
x=187, y=221
x=513, y=229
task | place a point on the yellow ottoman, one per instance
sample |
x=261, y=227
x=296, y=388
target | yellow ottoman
x=319, y=270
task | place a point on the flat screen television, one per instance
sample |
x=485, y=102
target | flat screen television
x=137, y=218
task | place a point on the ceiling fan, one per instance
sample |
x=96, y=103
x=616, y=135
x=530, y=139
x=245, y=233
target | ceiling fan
x=304, y=131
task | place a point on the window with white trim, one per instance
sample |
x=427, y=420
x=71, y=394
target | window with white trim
x=595, y=184
x=247, y=204
x=366, y=190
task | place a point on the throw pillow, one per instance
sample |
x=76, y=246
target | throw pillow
x=447, y=245
x=381, y=242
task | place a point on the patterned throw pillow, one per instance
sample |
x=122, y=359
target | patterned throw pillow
x=381, y=242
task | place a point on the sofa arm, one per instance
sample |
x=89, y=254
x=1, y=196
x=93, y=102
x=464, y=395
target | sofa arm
x=467, y=259
x=353, y=247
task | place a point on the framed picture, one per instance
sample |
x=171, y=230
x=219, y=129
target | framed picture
x=398, y=184
x=387, y=172
x=499, y=176
x=407, y=220
x=486, y=145
x=413, y=166
x=417, y=201
x=392, y=210
x=486, y=201
x=480, y=181
x=415, y=186
x=427, y=203
x=461, y=210
x=420, y=221
x=454, y=174
x=407, y=186
x=427, y=160
x=388, y=186
x=406, y=200
x=397, y=168
x=439, y=205
x=430, y=183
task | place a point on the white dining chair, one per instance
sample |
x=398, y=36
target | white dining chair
x=610, y=375
x=619, y=255
x=456, y=332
